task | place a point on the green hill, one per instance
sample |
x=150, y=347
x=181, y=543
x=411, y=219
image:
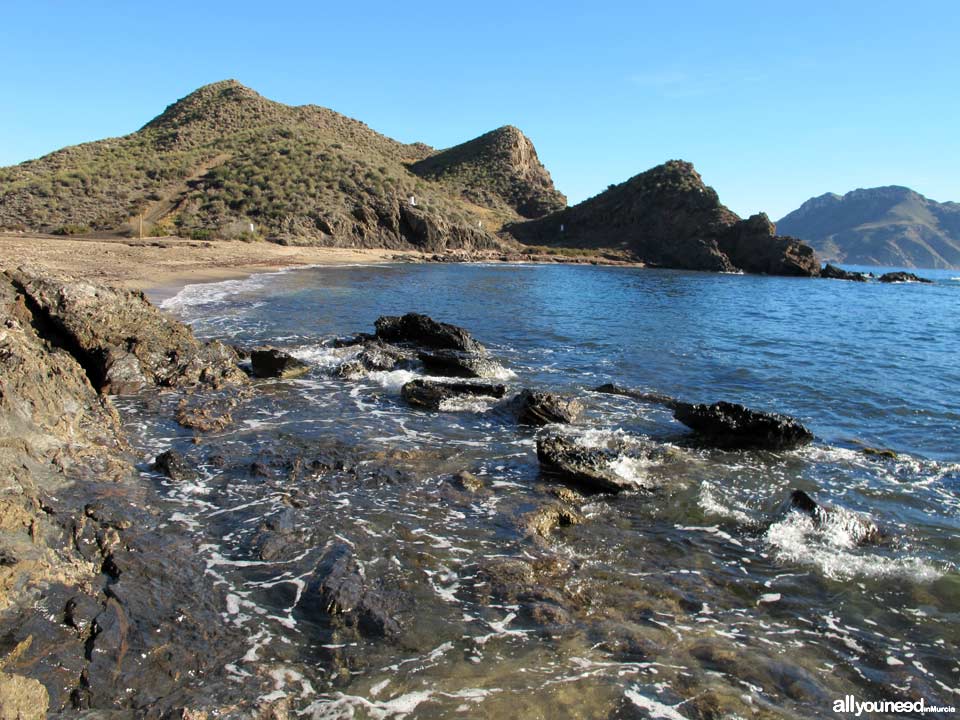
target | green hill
x=892, y=226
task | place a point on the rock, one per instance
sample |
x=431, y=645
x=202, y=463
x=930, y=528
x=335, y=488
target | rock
x=832, y=272
x=120, y=339
x=468, y=481
x=172, y=464
x=543, y=408
x=885, y=453
x=642, y=396
x=378, y=355
x=590, y=467
x=351, y=370
x=205, y=414
x=459, y=364
x=544, y=520
x=423, y=331
x=902, y=277
x=272, y=363
x=861, y=529
x=729, y=425
x=430, y=394
x=80, y=611
x=22, y=698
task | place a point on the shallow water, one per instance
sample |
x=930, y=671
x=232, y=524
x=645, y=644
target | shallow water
x=697, y=596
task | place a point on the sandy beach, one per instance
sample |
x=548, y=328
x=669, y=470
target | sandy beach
x=162, y=266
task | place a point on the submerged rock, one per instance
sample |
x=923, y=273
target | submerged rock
x=832, y=272
x=273, y=363
x=641, y=395
x=543, y=408
x=544, y=520
x=861, y=529
x=430, y=394
x=730, y=425
x=172, y=464
x=424, y=331
x=590, y=467
x=902, y=277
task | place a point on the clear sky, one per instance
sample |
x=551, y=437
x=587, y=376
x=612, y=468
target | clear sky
x=773, y=102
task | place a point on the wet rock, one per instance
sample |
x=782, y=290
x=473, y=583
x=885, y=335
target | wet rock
x=544, y=520
x=351, y=370
x=430, y=394
x=832, y=272
x=283, y=522
x=459, y=364
x=469, y=482
x=589, y=467
x=22, y=698
x=80, y=612
x=204, y=414
x=378, y=355
x=423, y=331
x=543, y=408
x=902, y=277
x=729, y=425
x=172, y=464
x=862, y=530
x=884, y=453
x=123, y=373
x=642, y=396
x=273, y=363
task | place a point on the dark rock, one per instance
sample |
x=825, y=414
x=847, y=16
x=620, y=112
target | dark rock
x=642, y=396
x=902, y=277
x=283, y=522
x=429, y=394
x=543, y=408
x=833, y=272
x=459, y=364
x=378, y=355
x=544, y=520
x=205, y=414
x=730, y=425
x=80, y=612
x=351, y=370
x=172, y=464
x=271, y=363
x=862, y=529
x=423, y=331
x=589, y=467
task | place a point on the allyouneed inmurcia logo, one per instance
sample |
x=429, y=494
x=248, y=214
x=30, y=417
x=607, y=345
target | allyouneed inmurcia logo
x=849, y=705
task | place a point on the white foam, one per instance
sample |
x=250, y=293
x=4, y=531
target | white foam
x=709, y=503
x=655, y=708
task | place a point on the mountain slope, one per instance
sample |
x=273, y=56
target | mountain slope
x=880, y=226
x=224, y=158
x=667, y=216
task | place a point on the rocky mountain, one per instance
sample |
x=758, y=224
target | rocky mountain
x=668, y=217
x=879, y=226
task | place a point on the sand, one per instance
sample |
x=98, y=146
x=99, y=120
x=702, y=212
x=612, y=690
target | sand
x=162, y=266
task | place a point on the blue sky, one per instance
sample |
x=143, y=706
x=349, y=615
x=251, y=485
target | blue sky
x=772, y=104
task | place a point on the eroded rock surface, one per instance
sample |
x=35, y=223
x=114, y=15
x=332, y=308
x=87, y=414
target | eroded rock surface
x=730, y=425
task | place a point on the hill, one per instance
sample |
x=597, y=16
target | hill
x=667, y=216
x=879, y=226
x=224, y=160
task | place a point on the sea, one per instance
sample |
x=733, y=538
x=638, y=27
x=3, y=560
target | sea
x=700, y=594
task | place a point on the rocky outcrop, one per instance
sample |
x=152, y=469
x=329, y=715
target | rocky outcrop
x=273, y=363
x=668, y=217
x=544, y=408
x=589, y=467
x=832, y=272
x=423, y=331
x=431, y=395
x=902, y=277
x=730, y=425
x=459, y=364
x=653, y=398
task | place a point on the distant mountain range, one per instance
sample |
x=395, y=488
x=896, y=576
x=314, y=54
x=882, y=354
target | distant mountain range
x=225, y=162
x=891, y=225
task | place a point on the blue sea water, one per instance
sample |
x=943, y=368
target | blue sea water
x=700, y=591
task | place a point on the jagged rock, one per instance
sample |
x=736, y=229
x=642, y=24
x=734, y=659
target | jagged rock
x=459, y=364
x=860, y=528
x=544, y=520
x=351, y=370
x=589, y=467
x=172, y=464
x=668, y=217
x=902, y=277
x=423, y=331
x=378, y=355
x=642, y=396
x=832, y=272
x=205, y=414
x=273, y=363
x=119, y=338
x=730, y=425
x=543, y=408
x=80, y=611
x=22, y=698
x=430, y=394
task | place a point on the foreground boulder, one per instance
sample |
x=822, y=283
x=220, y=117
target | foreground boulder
x=861, y=529
x=122, y=341
x=273, y=363
x=590, y=467
x=902, y=277
x=543, y=408
x=424, y=331
x=174, y=466
x=729, y=425
x=832, y=272
x=430, y=394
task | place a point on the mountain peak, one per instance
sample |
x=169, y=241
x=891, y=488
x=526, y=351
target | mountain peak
x=211, y=103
